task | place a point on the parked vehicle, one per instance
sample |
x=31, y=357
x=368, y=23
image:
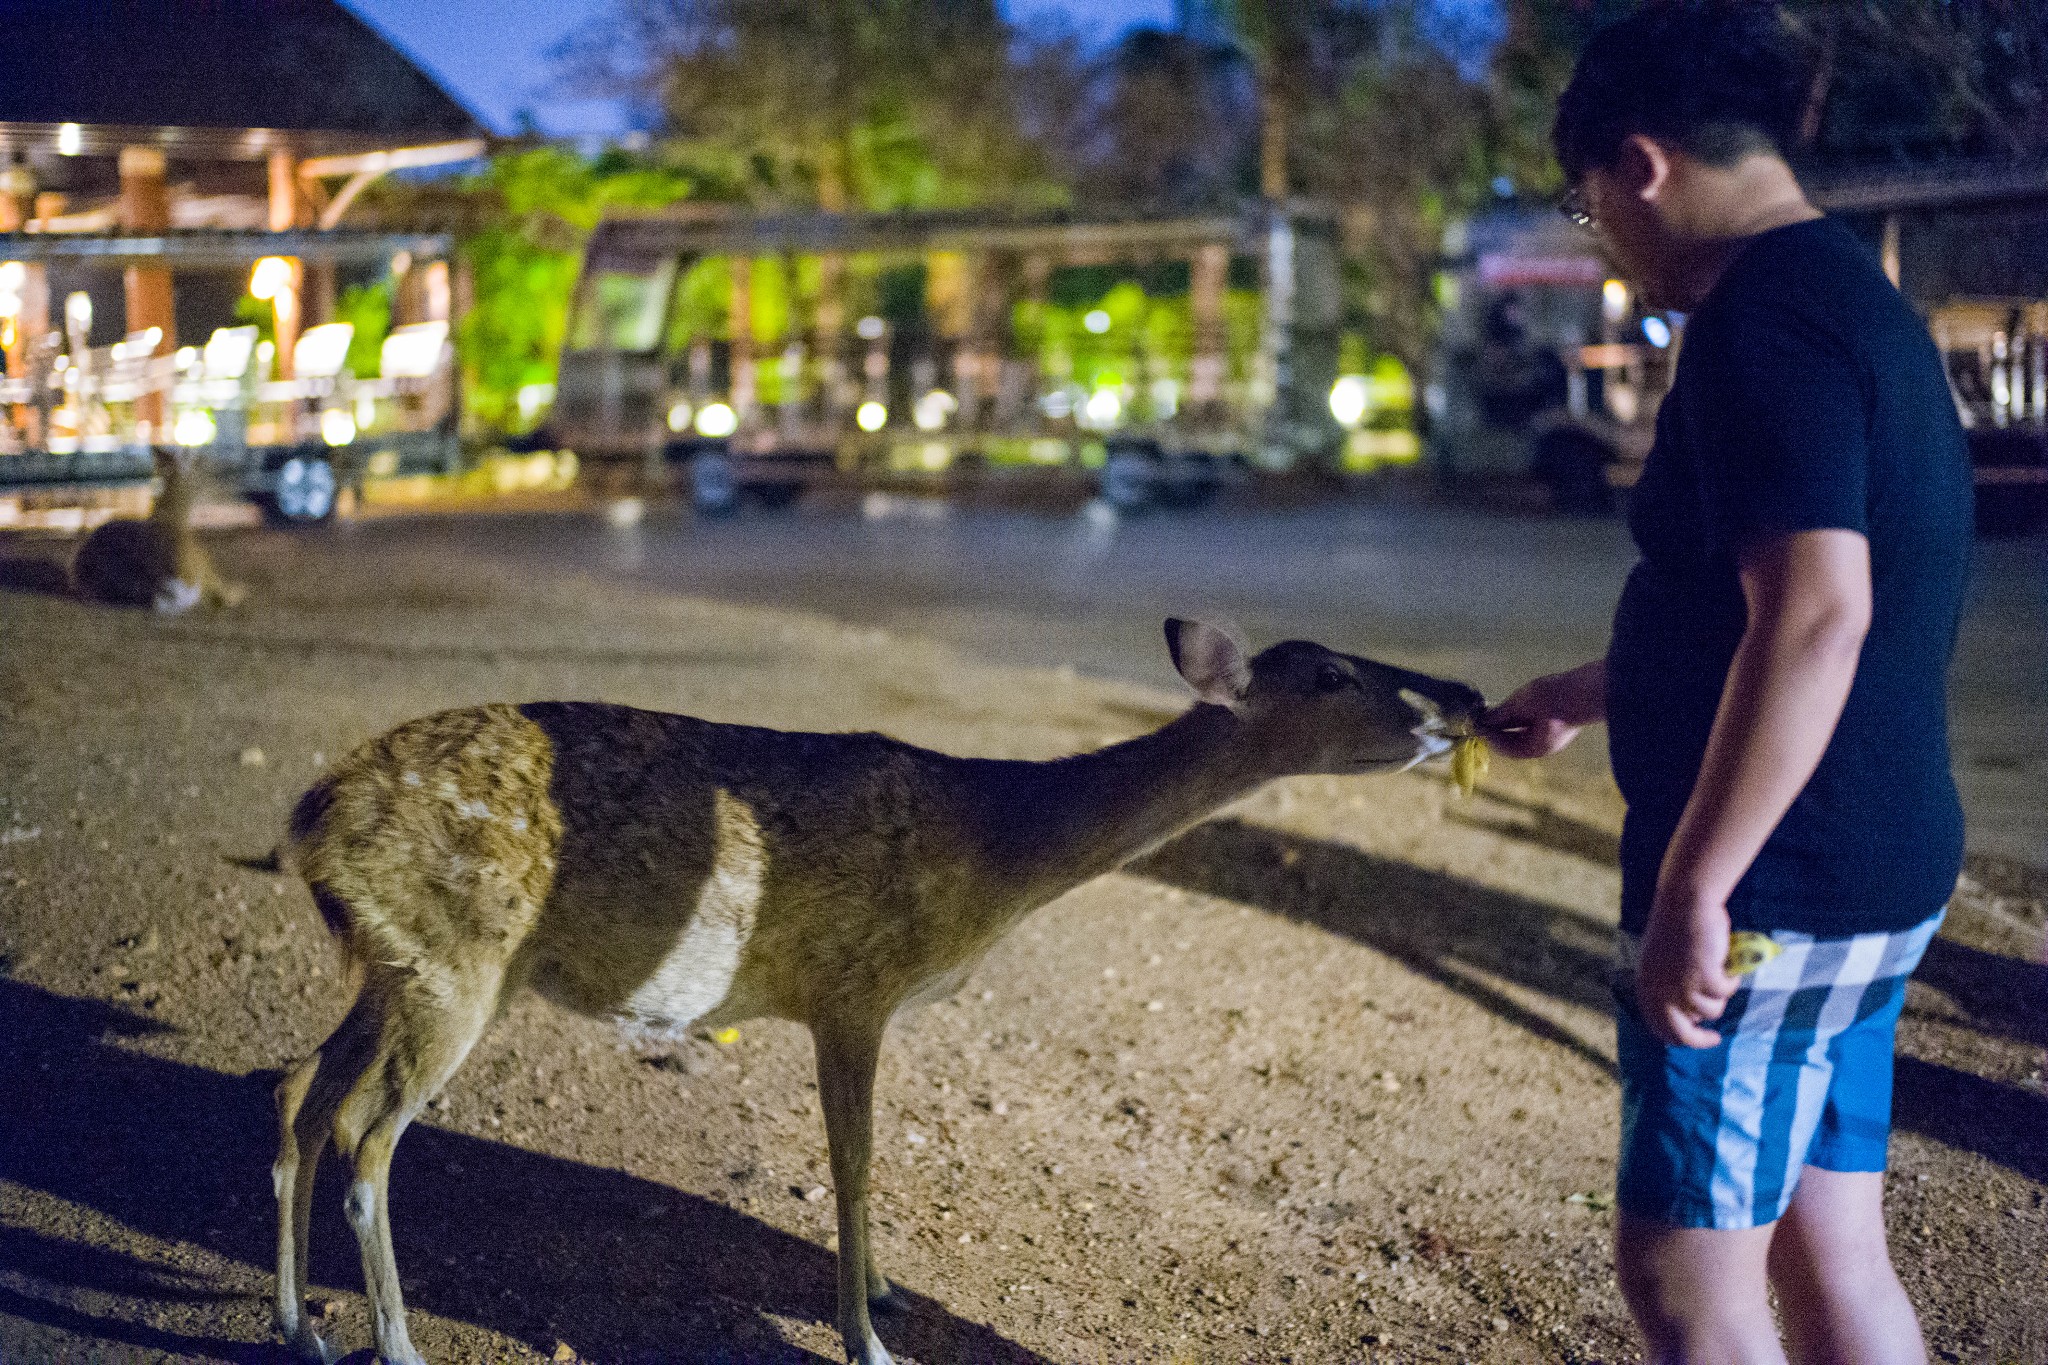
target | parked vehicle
x=1996, y=354
x=78, y=421
x=1142, y=361
x=1547, y=367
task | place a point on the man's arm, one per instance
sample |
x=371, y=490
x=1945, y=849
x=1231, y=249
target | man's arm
x=1547, y=713
x=1808, y=594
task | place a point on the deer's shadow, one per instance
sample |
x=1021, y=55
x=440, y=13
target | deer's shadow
x=1459, y=934
x=532, y=1246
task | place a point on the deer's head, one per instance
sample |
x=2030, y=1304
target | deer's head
x=1309, y=709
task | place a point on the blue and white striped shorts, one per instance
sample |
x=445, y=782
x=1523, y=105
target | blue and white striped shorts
x=1716, y=1137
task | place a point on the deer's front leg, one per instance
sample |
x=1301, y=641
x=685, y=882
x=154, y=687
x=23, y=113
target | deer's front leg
x=846, y=1089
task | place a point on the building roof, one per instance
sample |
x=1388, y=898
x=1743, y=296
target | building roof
x=194, y=71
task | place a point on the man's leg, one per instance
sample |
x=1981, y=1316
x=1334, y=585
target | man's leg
x=1842, y=1301
x=1699, y=1295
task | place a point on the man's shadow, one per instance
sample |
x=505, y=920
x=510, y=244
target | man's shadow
x=531, y=1246
x=1458, y=934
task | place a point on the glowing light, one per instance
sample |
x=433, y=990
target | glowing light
x=1657, y=331
x=1096, y=321
x=186, y=358
x=1614, y=300
x=78, y=310
x=194, y=427
x=679, y=416
x=1350, y=398
x=13, y=275
x=1104, y=407
x=413, y=351
x=870, y=328
x=871, y=416
x=715, y=420
x=534, y=397
x=1165, y=398
x=70, y=139
x=270, y=277
x=227, y=352
x=932, y=410
x=321, y=350
x=337, y=426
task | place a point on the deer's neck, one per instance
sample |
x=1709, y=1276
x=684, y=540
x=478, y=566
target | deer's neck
x=173, y=506
x=1055, y=825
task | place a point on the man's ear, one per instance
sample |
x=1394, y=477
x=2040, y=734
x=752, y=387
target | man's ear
x=1212, y=662
x=1644, y=167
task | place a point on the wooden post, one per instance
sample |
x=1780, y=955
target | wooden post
x=287, y=211
x=1211, y=349
x=146, y=208
x=741, y=309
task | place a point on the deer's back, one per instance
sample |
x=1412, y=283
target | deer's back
x=641, y=864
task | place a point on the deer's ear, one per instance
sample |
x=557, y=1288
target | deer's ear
x=1211, y=661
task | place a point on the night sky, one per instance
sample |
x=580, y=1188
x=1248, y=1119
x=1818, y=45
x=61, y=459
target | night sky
x=490, y=54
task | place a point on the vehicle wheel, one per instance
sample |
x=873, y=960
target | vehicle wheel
x=1573, y=466
x=305, y=492
x=1185, y=495
x=2011, y=510
x=1130, y=480
x=714, y=485
x=775, y=496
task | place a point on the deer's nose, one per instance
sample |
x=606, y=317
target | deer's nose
x=1446, y=707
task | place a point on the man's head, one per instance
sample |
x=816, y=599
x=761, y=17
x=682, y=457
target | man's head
x=1673, y=131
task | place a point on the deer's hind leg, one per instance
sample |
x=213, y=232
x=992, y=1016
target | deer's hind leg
x=307, y=1099
x=425, y=1030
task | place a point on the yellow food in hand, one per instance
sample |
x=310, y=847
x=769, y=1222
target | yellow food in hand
x=727, y=1036
x=1748, y=951
x=1468, y=763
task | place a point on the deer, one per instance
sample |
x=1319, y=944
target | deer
x=154, y=561
x=674, y=874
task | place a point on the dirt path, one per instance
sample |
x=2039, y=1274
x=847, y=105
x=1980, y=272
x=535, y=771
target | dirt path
x=1326, y=1080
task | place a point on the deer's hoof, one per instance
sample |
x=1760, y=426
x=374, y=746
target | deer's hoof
x=873, y=1353
x=307, y=1347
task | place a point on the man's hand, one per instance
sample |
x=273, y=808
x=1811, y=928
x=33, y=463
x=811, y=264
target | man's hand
x=1681, y=982
x=1546, y=714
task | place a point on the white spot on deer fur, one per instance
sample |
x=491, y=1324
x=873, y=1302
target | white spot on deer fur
x=472, y=810
x=696, y=973
x=518, y=823
x=360, y=1204
x=410, y=779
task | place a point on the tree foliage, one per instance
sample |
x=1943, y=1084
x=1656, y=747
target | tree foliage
x=531, y=212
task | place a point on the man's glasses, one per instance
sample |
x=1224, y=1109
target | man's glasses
x=1572, y=204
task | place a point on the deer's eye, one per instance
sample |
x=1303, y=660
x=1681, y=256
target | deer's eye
x=1331, y=678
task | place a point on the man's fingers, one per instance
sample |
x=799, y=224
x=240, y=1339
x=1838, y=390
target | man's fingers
x=1702, y=1003
x=1685, y=1031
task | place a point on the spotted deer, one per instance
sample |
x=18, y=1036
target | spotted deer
x=154, y=561
x=673, y=873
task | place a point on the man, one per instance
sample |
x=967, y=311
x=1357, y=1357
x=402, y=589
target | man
x=1775, y=692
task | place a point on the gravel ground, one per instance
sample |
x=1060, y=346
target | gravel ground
x=1328, y=1079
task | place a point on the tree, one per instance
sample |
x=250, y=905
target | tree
x=834, y=103
x=528, y=216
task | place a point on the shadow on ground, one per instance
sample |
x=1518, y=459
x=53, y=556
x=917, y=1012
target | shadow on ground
x=529, y=1245
x=34, y=573
x=1437, y=925
x=1443, y=927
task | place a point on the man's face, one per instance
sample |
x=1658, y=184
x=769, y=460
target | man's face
x=1631, y=229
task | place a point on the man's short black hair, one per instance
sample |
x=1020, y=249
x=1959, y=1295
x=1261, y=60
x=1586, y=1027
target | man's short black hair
x=1718, y=79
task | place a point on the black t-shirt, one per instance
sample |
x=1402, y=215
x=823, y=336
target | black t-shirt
x=1808, y=396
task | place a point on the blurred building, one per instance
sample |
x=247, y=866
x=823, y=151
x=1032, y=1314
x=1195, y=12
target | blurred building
x=125, y=118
